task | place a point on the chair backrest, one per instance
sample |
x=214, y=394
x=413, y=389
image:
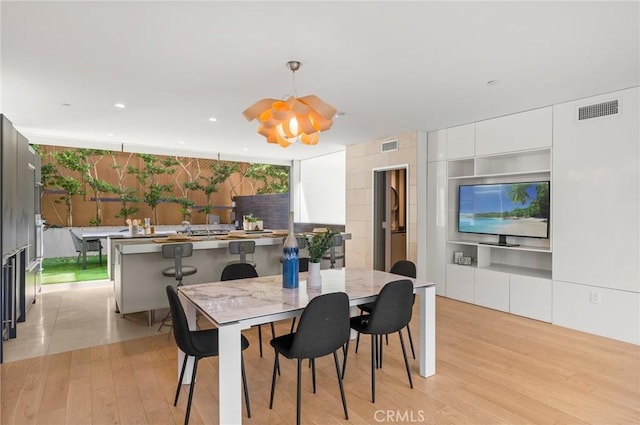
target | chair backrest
x=302, y=242
x=173, y=250
x=213, y=219
x=404, y=268
x=243, y=248
x=77, y=241
x=238, y=271
x=393, y=307
x=303, y=264
x=323, y=326
x=181, y=330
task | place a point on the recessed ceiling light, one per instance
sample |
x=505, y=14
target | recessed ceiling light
x=119, y=105
x=66, y=104
x=213, y=119
x=245, y=149
x=492, y=82
x=181, y=142
x=110, y=134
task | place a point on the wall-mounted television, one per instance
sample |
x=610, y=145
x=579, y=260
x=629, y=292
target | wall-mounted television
x=505, y=209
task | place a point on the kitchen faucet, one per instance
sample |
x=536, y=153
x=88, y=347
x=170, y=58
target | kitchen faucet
x=187, y=226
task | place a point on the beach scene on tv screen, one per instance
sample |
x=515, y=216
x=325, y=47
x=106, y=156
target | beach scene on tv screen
x=517, y=209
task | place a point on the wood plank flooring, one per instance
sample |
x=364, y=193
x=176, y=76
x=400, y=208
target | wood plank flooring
x=492, y=368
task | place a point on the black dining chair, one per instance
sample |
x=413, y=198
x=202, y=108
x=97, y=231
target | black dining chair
x=197, y=344
x=323, y=328
x=391, y=312
x=235, y=271
x=403, y=268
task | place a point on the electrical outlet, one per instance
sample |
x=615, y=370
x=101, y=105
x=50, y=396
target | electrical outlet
x=595, y=297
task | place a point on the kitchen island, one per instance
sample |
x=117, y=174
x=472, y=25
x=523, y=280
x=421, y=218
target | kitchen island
x=138, y=263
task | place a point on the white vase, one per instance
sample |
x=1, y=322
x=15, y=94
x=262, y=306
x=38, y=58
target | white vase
x=314, y=269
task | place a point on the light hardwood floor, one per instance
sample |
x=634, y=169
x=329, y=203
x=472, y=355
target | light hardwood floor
x=492, y=368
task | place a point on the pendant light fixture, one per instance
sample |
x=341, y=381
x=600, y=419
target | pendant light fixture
x=296, y=119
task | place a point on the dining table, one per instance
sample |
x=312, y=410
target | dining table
x=233, y=306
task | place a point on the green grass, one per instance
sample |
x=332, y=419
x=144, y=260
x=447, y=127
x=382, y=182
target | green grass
x=65, y=270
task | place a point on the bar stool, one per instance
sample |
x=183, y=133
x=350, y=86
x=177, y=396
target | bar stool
x=333, y=255
x=176, y=251
x=242, y=248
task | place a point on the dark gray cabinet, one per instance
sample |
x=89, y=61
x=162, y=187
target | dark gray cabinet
x=9, y=190
x=19, y=278
x=25, y=209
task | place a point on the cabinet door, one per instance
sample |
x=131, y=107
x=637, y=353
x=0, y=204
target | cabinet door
x=596, y=201
x=461, y=141
x=530, y=297
x=437, y=224
x=523, y=131
x=437, y=146
x=460, y=282
x=492, y=289
x=24, y=205
x=9, y=168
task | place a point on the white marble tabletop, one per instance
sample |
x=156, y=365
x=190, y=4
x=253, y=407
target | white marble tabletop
x=238, y=300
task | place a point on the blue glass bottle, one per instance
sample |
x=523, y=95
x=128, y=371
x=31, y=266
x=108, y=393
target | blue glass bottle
x=290, y=258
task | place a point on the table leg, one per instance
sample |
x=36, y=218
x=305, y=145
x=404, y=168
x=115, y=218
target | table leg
x=229, y=376
x=84, y=253
x=190, y=312
x=427, y=352
x=353, y=312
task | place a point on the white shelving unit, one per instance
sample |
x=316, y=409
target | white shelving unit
x=498, y=272
x=586, y=275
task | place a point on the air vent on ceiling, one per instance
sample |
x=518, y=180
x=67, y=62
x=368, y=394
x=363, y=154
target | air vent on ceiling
x=598, y=110
x=391, y=145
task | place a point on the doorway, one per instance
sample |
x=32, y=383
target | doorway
x=389, y=216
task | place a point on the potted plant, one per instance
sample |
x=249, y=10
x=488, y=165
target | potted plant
x=318, y=244
x=252, y=222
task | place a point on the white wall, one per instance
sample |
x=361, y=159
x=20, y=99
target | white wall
x=596, y=218
x=322, y=189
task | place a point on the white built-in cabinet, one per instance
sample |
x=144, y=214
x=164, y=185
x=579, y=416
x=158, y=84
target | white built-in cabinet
x=586, y=275
x=596, y=215
x=461, y=141
x=496, y=269
x=460, y=282
x=491, y=289
x=530, y=297
x=517, y=132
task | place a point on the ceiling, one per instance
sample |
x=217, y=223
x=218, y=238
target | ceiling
x=390, y=67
